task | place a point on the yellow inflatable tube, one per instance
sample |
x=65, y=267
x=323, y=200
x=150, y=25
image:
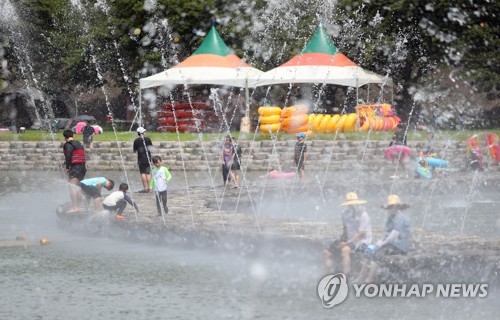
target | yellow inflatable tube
x=341, y=123
x=350, y=124
x=269, y=111
x=265, y=128
x=323, y=123
x=332, y=124
x=269, y=119
x=317, y=121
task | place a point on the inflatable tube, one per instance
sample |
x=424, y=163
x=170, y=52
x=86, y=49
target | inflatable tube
x=323, y=123
x=350, y=124
x=269, y=111
x=294, y=130
x=180, y=127
x=186, y=114
x=331, y=126
x=294, y=110
x=423, y=172
x=196, y=105
x=365, y=126
x=281, y=175
x=172, y=121
x=380, y=123
x=341, y=123
x=295, y=121
x=396, y=121
x=269, y=119
x=393, y=152
x=435, y=162
x=265, y=128
x=317, y=121
x=311, y=118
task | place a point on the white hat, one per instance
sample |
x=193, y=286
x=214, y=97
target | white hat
x=141, y=130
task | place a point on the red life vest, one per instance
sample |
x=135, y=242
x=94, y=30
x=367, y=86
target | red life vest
x=78, y=154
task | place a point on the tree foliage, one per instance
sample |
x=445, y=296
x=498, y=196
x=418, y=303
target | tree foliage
x=63, y=44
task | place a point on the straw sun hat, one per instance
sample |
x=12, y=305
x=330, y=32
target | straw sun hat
x=352, y=199
x=393, y=201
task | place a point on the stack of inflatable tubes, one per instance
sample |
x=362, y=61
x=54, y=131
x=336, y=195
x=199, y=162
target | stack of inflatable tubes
x=269, y=119
x=184, y=116
x=325, y=123
x=377, y=123
x=294, y=119
x=491, y=141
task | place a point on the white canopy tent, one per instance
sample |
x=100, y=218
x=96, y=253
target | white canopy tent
x=212, y=63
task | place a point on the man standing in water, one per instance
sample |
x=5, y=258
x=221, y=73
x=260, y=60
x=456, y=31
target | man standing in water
x=74, y=155
x=300, y=155
x=143, y=146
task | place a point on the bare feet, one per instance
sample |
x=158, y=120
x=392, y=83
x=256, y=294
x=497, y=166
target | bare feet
x=73, y=210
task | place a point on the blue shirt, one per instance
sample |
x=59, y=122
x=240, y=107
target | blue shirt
x=401, y=223
x=92, y=182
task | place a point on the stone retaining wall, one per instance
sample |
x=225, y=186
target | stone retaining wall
x=195, y=155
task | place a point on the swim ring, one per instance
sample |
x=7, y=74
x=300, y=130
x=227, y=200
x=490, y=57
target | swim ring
x=423, y=171
x=435, y=162
x=281, y=175
x=396, y=151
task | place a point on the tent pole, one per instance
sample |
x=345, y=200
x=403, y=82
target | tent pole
x=140, y=107
x=357, y=92
x=247, y=98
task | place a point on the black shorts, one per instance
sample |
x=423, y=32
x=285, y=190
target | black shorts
x=90, y=191
x=144, y=168
x=337, y=252
x=387, y=250
x=77, y=171
x=235, y=166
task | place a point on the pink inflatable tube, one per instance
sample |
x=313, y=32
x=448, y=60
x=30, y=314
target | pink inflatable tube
x=281, y=175
x=393, y=152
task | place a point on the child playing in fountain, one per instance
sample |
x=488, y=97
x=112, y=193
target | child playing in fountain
x=91, y=188
x=300, y=155
x=117, y=201
x=397, y=148
x=226, y=159
x=236, y=165
x=160, y=177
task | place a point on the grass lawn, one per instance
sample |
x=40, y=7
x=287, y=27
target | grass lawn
x=41, y=135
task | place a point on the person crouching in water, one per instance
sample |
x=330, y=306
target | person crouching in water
x=91, y=188
x=357, y=234
x=395, y=240
x=117, y=201
x=160, y=177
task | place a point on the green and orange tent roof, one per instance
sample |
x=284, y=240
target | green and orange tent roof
x=213, y=52
x=320, y=51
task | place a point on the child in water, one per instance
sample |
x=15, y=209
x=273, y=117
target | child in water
x=117, y=201
x=160, y=177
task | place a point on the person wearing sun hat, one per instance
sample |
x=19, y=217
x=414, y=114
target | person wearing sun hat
x=357, y=233
x=299, y=157
x=396, y=237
